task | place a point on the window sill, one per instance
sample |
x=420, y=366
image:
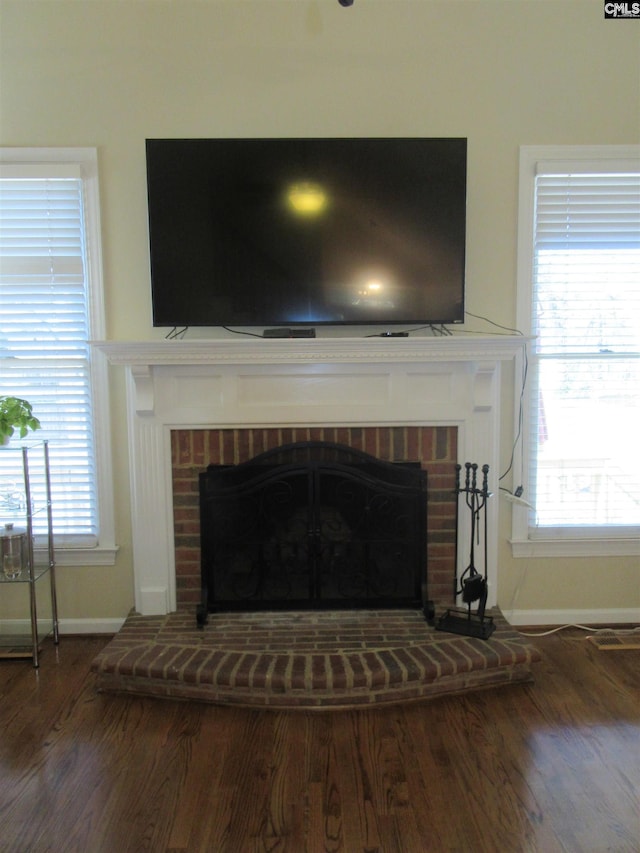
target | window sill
x=101, y=555
x=594, y=547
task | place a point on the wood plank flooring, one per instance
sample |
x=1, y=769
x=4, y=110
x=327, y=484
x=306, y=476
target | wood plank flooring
x=551, y=766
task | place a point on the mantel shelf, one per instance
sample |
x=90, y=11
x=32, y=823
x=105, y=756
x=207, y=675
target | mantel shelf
x=313, y=350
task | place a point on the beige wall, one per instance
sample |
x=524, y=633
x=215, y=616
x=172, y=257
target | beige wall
x=500, y=72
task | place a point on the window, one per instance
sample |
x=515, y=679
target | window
x=50, y=310
x=579, y=299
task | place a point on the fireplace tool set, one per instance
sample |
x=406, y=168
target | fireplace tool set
x=473, y=584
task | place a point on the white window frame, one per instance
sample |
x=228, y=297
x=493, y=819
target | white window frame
x=601, y=541
x=86, y=159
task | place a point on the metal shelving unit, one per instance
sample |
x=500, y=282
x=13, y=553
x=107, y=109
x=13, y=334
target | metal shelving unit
x=19, y=645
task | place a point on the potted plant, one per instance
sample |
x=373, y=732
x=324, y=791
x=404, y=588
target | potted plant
x=16, y=414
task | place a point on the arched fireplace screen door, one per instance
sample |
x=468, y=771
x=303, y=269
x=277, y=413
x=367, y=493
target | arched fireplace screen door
x=313, y=525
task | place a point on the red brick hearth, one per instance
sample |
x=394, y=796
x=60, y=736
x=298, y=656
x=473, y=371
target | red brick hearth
x=434, y=447
x=307, y=660
x=304, y=660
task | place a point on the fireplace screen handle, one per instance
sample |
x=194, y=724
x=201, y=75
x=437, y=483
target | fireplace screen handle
x=313, y=538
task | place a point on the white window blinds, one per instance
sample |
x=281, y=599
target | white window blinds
x=44, y=332
x=586, y=376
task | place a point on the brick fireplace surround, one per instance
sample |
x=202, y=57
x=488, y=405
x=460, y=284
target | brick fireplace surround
x=434, y=447
x=436, y=400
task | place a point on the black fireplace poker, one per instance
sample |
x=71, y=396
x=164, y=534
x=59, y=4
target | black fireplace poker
x=472, y=583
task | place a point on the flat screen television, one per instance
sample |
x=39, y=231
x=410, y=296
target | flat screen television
x=299, y=232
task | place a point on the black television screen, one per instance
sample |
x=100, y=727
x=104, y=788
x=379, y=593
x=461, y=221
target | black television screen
x=269, y=232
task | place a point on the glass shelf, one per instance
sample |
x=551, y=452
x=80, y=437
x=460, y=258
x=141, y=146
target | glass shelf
x=38, y=572
x=18, y=646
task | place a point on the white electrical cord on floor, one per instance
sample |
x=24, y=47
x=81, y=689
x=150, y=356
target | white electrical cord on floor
x=594, y=631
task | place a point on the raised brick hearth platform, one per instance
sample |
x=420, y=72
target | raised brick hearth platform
x=307, y=660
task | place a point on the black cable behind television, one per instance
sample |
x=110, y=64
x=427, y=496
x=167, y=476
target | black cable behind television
x=260, y=232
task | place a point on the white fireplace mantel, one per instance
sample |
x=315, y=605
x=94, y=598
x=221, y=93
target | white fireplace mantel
x=439, y=381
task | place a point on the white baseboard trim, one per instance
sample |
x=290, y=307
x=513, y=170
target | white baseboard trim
x=90, y=626
x=21, y=627
x=601, y=618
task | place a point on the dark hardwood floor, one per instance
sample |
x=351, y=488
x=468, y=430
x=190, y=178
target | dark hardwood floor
x=552, y=766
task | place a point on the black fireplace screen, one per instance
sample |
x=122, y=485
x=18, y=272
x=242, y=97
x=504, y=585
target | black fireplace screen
x=313, y=525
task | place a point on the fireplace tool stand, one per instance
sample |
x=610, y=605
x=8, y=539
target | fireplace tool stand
x=473, y=584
